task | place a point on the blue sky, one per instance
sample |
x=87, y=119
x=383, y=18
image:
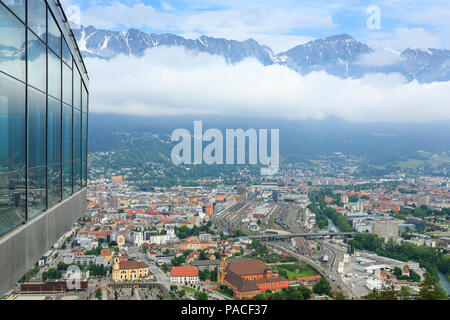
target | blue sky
x=280, y=24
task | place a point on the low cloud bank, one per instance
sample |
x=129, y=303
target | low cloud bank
x=174, y=81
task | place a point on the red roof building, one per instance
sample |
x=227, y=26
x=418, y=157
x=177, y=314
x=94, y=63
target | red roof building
x=184, y=275
x=184, y=272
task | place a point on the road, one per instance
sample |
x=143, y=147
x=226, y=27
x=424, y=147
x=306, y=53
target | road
x=330, y=274
x=160, y=276
x=337, y=252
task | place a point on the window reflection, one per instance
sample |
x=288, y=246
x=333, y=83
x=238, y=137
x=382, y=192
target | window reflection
x=76, y=89
x=37, y=63
x=85, y=99
x=54, y=75
x=37, y=17
x=12, y=125
x=76, y=150
x=67, y=151
x=12, y=153
x=67, y=84
x=12, y=45
x=37, y=179
x=84, y=151
x=54, y=35
x=17, y=6
x=54, y=152
x=12, y=200
x=37, y=148
x=67, y=56
x=56, y=144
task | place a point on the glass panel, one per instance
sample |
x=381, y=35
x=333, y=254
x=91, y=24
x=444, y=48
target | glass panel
x=37, y=17
x=67, y=56
x=17, y=6
x=37, y=148
x=36, y=191
x=54, y=75
x=76, y=89
x=12, y=200
x=67, y=151
x=85, y=98
x=76, y=150
x=12, y=45
x=12, y=153
x=54, y=35
x=37, y=127
x=37, y=69
x=67, y=85
x=12, y=125
x=54, y=152
x=84, y=151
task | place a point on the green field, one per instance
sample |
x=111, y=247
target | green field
x=294, y=271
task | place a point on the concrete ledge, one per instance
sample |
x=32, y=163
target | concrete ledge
x=24, y=246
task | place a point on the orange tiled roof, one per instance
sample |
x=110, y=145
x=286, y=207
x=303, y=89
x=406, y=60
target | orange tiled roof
x=184, y=272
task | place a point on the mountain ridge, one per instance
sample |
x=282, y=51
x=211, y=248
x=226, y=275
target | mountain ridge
x=339, y=55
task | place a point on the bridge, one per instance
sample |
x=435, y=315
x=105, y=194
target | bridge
x=274, y=237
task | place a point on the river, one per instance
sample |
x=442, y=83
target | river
x=331, y=226
x=444, y=282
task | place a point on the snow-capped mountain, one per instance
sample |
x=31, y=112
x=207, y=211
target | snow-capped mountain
x=334, y=54
x=338, y=55
x=106, y=44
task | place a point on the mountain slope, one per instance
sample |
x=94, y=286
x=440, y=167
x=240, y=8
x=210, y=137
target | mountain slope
x=339, y=55
x=333, y=54
x=106, y=44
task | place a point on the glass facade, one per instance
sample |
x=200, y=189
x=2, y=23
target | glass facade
x=43, y=112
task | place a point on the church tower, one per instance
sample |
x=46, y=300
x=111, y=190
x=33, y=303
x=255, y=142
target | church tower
x=222, y=272
x=116, y=271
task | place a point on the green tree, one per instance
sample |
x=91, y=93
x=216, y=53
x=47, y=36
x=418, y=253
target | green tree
x=201, y=296
x=98, y=293
x=430, y=291
x=385, y=293
x=322, y=287
x=52, y=274
x=405, y=293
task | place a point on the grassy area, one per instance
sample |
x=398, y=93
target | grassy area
x=378, y=167
x=294, y=271
x=188, y=289
x=409, y=164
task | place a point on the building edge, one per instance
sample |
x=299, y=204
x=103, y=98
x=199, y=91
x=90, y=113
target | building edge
x=21, y=248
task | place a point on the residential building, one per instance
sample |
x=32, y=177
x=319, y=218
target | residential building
x=387, y=229
x=184, y=275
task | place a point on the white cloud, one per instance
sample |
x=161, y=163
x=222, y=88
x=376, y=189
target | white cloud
x=167, y=6
x=379, y=58
x=404, y=38
x=230, y=22
x=173, y=81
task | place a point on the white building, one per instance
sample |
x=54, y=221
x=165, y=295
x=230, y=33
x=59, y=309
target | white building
x=184, y=275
